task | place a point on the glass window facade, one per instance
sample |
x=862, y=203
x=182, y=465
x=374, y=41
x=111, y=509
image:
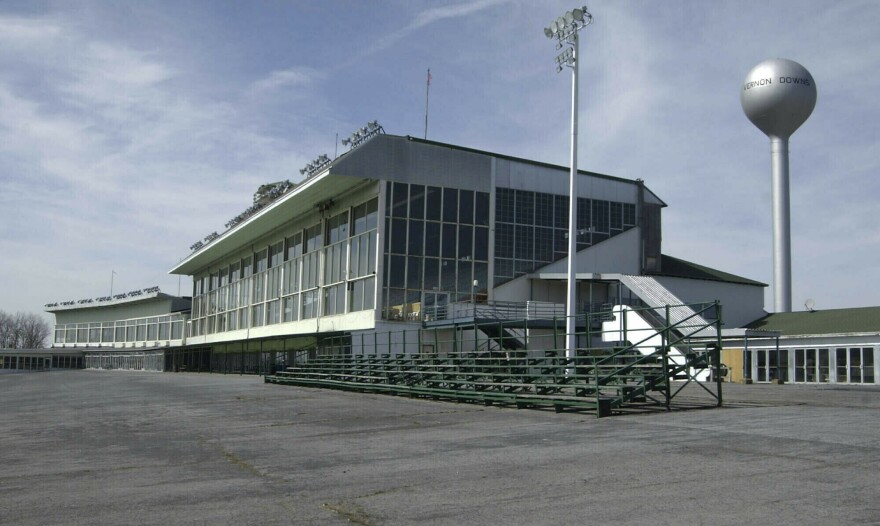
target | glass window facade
x=842, y=365
x=151, y=330
x=436, y=250
x=531, y=228
x=325, y=268
x=437, y=244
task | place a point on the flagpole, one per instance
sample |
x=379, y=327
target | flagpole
x=427, y=92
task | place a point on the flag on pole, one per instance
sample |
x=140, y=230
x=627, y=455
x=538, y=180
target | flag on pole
x=429, y=77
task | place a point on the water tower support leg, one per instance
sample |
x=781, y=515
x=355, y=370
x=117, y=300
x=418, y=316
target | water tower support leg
x=781, y=225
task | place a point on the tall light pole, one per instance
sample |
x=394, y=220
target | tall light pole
x=565, y=31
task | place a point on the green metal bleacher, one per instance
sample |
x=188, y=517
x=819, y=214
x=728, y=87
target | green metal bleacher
x=601, y=379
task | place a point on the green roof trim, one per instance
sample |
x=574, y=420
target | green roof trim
x=834, y=321
x=679, y=268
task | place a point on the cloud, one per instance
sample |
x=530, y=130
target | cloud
x=118, y=161
x=26, y=31
x=424, y=18
x=295, y=77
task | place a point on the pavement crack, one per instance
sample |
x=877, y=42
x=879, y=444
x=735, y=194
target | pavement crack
x=353, y=512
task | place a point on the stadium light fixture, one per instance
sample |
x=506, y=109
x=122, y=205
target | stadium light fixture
x=362, y=134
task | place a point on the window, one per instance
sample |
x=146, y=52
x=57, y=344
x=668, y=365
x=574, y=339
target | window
x=449, y=240
x=504, y=240
x=481, y=211
x=334, y=263
x=257, y=315
x=313, y=237
x=413, y=272
x=481, y=244
x=416, y=235
x=629, y=215
x=401, y=198
x=276, y=254
x=560, y=211
x=432, y=274
x=433, y=203
x=525, y=207
x=466, y=207
x=544, y=209
x=273, y=312
x=432, y=239
x=334, y=300
x=523, y=243
x=616, y=216
x=450, y=205
x=262, y=263
x=398, y=236
x=601, y=216
x=543, y=244
x=294, y=246
x=291, y=308
x=465, y=242
x=416, y=201
x=362, y=293
x=505, y=205
x=309, y=304
x=337, y=228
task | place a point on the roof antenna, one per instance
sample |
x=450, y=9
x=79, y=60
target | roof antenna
x=809, y=304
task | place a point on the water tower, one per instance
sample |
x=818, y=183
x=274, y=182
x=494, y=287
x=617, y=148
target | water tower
x=778, y=96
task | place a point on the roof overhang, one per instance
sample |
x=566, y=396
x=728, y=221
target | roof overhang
x=143, y=297
x=301, y=199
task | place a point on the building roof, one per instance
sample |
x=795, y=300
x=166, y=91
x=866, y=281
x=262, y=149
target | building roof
x=679, y=268
x=178, y=302
x=379, y=155
x=817, y=322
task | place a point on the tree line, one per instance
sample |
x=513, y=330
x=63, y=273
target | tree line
x=23, y=330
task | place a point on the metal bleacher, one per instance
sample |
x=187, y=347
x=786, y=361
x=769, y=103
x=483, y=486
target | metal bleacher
x=603, y=378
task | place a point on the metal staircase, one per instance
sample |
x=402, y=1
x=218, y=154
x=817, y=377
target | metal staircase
x=661, y=300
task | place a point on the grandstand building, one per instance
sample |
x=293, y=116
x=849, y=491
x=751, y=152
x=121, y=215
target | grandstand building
x=401, y=235
x=124, y=331
x=399, y=231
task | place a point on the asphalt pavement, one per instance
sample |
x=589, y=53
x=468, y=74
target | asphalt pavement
x=116, y=447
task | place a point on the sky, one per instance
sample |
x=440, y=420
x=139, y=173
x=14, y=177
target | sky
x=131, y=130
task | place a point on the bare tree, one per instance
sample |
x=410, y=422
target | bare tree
x=33, y=330
x=7, y=331
x=23, y=330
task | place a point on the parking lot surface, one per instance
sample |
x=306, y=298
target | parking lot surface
x=115, y=447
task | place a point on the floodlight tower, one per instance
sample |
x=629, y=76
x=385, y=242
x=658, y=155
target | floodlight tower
x=565, y=31
x=778, y=96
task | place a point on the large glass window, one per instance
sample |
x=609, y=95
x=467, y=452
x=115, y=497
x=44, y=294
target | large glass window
x=531, y=228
